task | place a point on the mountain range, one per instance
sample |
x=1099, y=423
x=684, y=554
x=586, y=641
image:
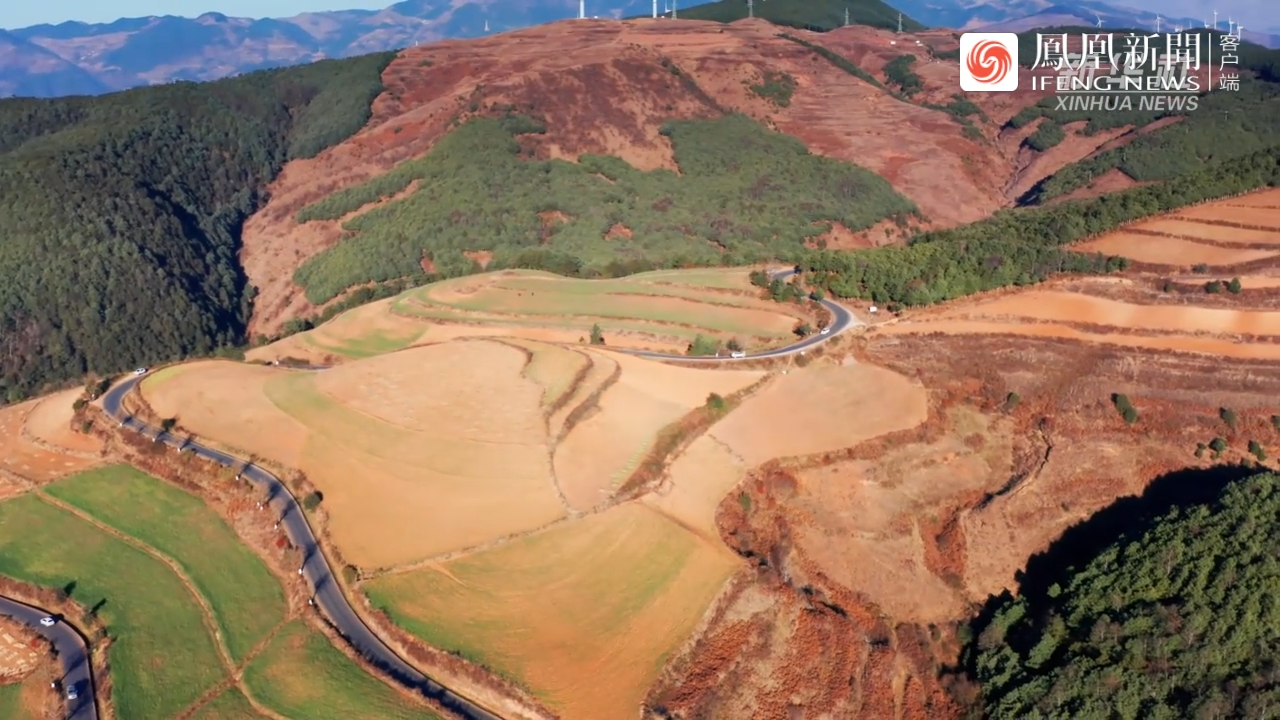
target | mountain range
x=76, y=58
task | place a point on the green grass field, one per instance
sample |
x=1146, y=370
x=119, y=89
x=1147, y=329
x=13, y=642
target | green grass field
x=666, y=303
x=231, y=704
x=162, y=658
x=301, y=675
x=11, y=704
x=246, y=600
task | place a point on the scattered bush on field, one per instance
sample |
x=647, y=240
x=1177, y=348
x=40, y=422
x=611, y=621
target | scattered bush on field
x=1200, y=268
x=744, y=195
x=776, y=87
x=1256, y=449
x=1200, y=450
x=1234, y=286
x=1228, y=416
x=1021, y=246
x=350, y=574
x=716, y=403
x=312, y=500
x=744, y=501
x=1213, y=287
x=899, y=72
x=1218, y=446
x=168, y=424
x=1168, y=621
x=597, y=335
x=733, y=345
x=703, y=346
x=1011, y=400
x=1126, y=408
x=1047, y=135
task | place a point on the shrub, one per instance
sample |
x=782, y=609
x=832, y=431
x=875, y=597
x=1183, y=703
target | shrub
x=312, y=500
x=1234, y=286
x=1200, y=268
x=1046, y=136
x=802, y=329
x=1011, y=400
x=1228, y=416
x=597, y=335
x=1213, y=287
x=744, y=501
x=79, y=404
x=1275, y=422
x=1200, y=450
x=1218, y=446
x=899, y=72
x=776, y=87
x=168, y=424
x=703, y=346
x=716, y=402
x=1256, y=449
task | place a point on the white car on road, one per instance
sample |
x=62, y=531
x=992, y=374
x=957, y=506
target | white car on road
x=825, y=331
x=737, y=354
x=140, y=371
x=47, y=621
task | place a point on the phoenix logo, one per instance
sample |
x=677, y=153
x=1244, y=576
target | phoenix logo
x=989, y=62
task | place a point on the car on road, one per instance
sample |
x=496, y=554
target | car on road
x=737, y=354
x=47, y=621
x=140, y=371
x=71, y=692
x=825, y=331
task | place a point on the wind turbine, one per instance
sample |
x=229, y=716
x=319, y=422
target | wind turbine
x=582, y=9
x=1099, y=17
x=1157, y=22
x=1215, y=19
x=1239, y=32
x=751, y=9
x=673, y=10
x=1231, y=26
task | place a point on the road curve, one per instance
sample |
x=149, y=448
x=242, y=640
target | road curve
x=73, y=653
x=327, y=593
x=841, y=320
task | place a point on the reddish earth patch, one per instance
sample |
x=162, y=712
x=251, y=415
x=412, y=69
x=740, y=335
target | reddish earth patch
x=607, y=87
x=617, y=231
x=479, y=257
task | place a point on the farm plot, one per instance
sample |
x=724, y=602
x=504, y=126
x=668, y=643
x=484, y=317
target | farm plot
x=1261, y=199
x=28, y=460
x=50, y=422
x=819, y=409
x=23, y=700
x=1176, y=343
x=366, y=331
x=556, y=369
x=302, y=676
x=400, y=443
x=699, y=480
x=1204, y=231
x=600, y=452
x=1258, y=216
x=603, y=367
x=584, y=613
x=1156, y=250
x=231, y=704
x=226, y=402
x=163, y=657
x=246, y=600
x=1071, y=307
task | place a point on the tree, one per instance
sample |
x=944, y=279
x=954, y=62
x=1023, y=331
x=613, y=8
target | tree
x=1213, y=287
x=733, y=345
x=703, y=346
x=1228, y=416
x=817, y=295
x=802, y=329
x=1011, y=400
x=1256, y=449
x=312, y=500
x=597, y=336
x=1218, y=446
x=1234, y=287
x=168, y=424
x=716, y=402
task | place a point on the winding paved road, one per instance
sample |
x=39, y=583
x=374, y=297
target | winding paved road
x=841, y=320
x=328, y=595
x=73, y=653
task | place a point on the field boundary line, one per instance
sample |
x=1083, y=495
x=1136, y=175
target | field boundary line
x=210, y=619
x=236, y=680
x=23, y=482
x=45, y=445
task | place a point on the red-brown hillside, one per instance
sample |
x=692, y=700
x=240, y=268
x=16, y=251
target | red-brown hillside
x=607, y=87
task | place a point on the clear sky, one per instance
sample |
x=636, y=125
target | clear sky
x=20, y=13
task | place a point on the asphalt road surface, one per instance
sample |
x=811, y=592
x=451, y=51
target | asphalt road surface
x=73, y=653
x=327, y=594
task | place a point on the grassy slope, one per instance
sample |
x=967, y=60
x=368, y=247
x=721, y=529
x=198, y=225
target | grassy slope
x=12, y=706
x=162, y=658
x=744, y=194
x=231, y=704
x=301, y=675
x=246, y=599
x=121, y=213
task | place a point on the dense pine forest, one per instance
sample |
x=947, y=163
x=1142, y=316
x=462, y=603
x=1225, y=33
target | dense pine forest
x=120, y=215
x=1179, y=621
x=744, y=194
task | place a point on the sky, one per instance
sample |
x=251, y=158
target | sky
x=20, y=13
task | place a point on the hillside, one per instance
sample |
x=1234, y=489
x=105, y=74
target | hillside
x=1151, y=602
x=122, y=214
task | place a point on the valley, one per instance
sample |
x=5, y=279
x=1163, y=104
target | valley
x=608, y=368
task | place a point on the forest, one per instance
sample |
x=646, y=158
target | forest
x=744, y=194
x=1181, y=620
x=1023, y=245
x=121, y=214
